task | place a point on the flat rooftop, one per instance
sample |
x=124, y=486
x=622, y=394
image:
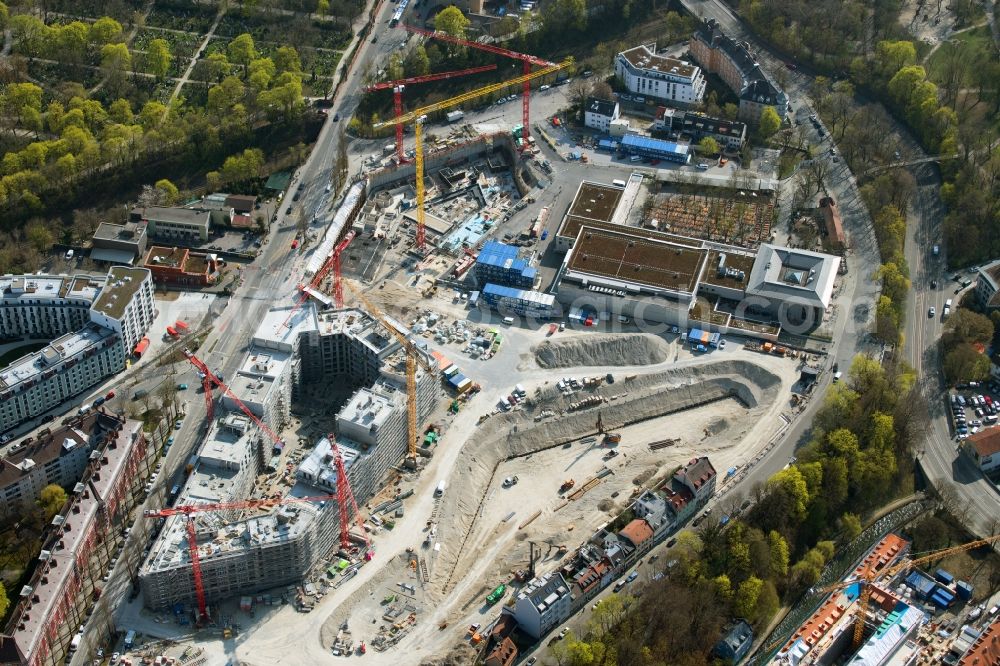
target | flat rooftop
x=20, y=287
x=186, y=216
x=641, y=57
x=735, y=262
x=60, y=349
x=130, y=231
x=174, y=257
x=631, y=259
x=122, y=284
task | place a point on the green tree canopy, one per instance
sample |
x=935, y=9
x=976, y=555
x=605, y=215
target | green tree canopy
x=242, y=50
x=770, y=122
x=158, y=58
x=51, y=499
x=452, y=21
x=709, y=146
x=169, y=192
x=416, y=62
x=105, y=30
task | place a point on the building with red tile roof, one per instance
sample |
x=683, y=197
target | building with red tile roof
x=986, y=650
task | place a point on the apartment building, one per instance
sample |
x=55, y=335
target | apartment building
x=732, y=61
x=45, y=306
x=543, y=604
x=95, y=322
x=731, y=134
x=663, y=79
x=185, y=224
x=77, y=549
x=125, y=304
x=987, y=286
x=69, y=365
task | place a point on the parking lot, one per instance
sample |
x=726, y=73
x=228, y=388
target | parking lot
x=974, y=406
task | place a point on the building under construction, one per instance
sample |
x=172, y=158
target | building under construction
x=252, y=549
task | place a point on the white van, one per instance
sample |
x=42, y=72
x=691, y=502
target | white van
x=439, y=491
x=69, y=254
x=635, y=158
x=508, y=321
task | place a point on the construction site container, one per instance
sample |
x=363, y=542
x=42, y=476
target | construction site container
x=171, y=331
x=180, y=325
x=964, y=590
x=141, y=348
x=454, y=116
x=943, y=576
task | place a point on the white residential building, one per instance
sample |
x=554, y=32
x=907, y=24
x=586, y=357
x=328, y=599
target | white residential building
x=36, y=383
x=125, y=304
x=600, y=113
x=663, y=79
x=45, y=306
x=543, y=604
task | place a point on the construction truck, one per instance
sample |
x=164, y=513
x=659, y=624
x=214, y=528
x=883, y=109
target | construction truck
x=612, y=438
x=566, y=485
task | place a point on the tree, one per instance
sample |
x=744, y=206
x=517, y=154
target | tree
x=216, y=66
x=105, y=30
x=416, y=62
x=964, y=325
x=709, y=146
x=779, y=554
x=323, y=7
x=602, y=90
x=850, y=527
x=560, y=17
x=4, y=601
x=115, y=61
x=158, y=58
x=770, y=122
x=747, y=594
x=4, y=22
x=891, y=56
x=964, y=363
x=40, y=236
x=169, y=190
x=242, y=51
x=286, y=59
x=579, y=91
x=452, y=21
x=21, y=102
x=51, y=500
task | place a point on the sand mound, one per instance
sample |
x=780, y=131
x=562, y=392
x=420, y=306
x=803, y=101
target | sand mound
x=602, y=350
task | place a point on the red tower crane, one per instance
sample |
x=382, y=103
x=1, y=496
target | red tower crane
x=345, y=504
x=527, y=59
x=397, y=96
x=332, y=263
x=211, y=379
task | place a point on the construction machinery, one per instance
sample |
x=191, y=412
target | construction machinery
x=344, y=497
x=210, y=381
x=417, y=117
x=332, y=264
x=525, y=58
x=399, y=85
x=413, y=358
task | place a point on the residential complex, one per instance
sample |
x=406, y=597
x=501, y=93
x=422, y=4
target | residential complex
x=610, y=267
x=84, y=536
x=987, y=286
x=549, y=600
x=255, y=550
x=736, y=66
x=660, y=78
x=98, y=323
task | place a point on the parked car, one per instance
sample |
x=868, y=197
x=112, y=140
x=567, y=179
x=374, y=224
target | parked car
x=182, y=387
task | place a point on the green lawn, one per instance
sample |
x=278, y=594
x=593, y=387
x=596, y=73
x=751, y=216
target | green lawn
x=973, y=42
x=18, y=352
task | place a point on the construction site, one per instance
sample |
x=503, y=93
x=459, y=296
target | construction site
x=353, y=484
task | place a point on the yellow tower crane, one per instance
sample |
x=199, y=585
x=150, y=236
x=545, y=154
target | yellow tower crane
x=417, y=117
x=413, y=358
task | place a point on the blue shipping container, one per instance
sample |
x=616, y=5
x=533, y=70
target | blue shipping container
x=943, y=576
x=964, y=590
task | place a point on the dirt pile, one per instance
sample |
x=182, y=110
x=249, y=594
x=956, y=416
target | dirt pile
x=602, y=350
